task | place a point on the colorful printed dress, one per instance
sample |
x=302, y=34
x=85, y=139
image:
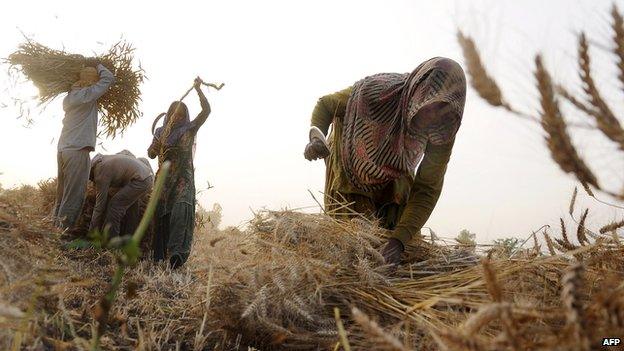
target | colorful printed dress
x=175, y=215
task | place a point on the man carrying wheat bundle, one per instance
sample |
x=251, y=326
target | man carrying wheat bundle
x=77, y=140
x=382, y=127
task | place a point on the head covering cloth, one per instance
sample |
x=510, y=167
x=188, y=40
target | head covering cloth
x=174, y=125
x=384, y=137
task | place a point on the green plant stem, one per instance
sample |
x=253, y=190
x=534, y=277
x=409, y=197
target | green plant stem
x=115, y=284
x=128, y=255
x=151, y=205
x=342, y=333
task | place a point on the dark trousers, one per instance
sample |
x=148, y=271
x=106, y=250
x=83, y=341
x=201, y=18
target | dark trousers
x=174, y=234
x=71, y=186
x=131, y=220
x=161, y=237
x=126, y=199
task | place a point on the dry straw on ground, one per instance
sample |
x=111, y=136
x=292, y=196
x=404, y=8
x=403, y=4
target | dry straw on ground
x=54, y=71
x=276, y=284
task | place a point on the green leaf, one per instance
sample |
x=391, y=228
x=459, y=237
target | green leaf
x=78, y=244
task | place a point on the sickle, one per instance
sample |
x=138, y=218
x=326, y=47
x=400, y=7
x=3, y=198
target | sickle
x=156, y=122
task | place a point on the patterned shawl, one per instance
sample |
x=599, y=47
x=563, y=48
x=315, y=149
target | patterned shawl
x=382, y=139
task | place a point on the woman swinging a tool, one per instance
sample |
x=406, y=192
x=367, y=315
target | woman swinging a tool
x=175, y=216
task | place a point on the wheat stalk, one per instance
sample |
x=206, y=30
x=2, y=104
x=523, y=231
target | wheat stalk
x=536, y=246
x=509, y=327
x=549, y=244
x=573, y=201
x=618, y=39
x=259, y=300
x=557, y=138
x=342, y=333
x=481, y=81
x=564, y=93
x=479, y=320
x=580, y=231
x=386, y=339
x=566, y=243
x=571, y=296
x=485, y=85
x=616, y=238
x=490, y=281
x=612, y=227
x=606, y=121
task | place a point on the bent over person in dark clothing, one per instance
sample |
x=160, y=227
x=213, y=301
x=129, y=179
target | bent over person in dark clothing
x=384, y=126
x=175, y=215
x=134, y=178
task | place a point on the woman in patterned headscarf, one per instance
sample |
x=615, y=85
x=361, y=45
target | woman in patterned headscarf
x=175, y=215
x=383, y=126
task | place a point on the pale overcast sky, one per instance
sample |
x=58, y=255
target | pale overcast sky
x=278, y=57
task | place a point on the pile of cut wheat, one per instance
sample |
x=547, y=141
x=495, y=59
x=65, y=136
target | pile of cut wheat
x=54, y=71
x=278, y=285
x=279, y=288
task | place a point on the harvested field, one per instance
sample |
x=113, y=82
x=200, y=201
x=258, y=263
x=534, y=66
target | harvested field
x=276, y=285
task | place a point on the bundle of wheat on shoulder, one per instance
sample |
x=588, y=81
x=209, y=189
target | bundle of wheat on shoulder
x=54, y=71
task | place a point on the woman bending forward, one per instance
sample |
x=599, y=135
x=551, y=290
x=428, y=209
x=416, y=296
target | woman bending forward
x=384, y=126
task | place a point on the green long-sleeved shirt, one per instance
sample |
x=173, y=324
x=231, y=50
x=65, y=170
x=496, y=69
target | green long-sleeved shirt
x=418, y=198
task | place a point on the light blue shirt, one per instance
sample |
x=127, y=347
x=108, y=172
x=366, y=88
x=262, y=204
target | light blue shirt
x=81, y=119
